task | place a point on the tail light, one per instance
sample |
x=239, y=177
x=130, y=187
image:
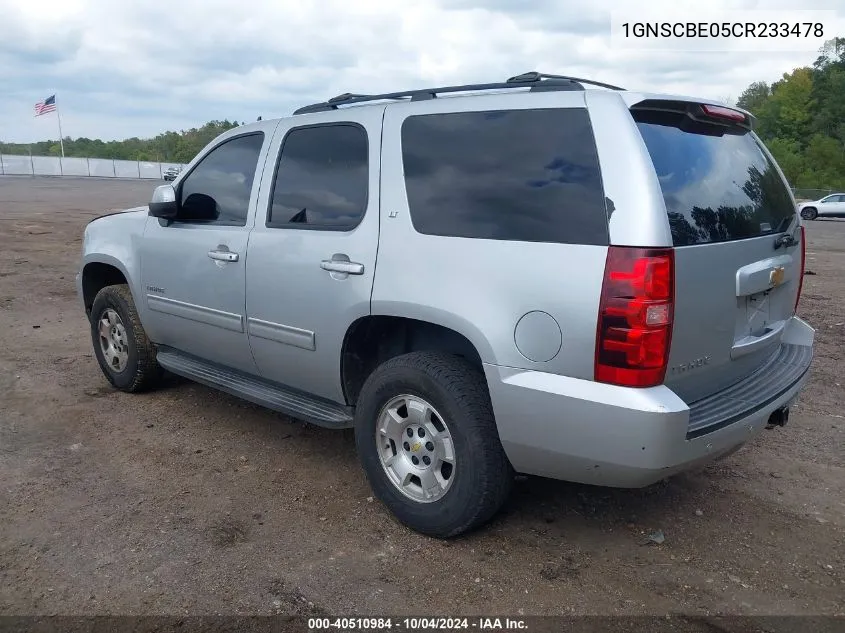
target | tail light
x=803, y=263
x=720, y=112
x=635, y=316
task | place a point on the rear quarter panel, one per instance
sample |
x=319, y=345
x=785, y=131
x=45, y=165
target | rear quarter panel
x=478, y=287
x=636, y=210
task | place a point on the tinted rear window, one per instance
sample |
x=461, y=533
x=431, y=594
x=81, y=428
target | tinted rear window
x=716, y=188
x=322, y=178
x=525, y=175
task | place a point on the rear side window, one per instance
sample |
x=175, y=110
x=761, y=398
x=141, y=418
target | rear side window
x=716, y=188
x=523, y=175
x=321, y=179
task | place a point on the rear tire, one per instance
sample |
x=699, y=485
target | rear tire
x=125, y=354
x=809, y=213
x=445, y=447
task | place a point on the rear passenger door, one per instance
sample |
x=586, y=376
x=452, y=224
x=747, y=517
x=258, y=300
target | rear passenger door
x=312, y=252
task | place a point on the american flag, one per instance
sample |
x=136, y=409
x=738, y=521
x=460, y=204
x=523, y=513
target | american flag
x=48, y=105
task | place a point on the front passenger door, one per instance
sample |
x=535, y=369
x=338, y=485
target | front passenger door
x=193, y=267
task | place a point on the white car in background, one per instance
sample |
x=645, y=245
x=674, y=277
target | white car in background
x=832, y=206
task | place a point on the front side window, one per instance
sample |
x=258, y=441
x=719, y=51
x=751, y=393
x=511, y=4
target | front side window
x=321, y=179
x=218, y=189
x=522, y=175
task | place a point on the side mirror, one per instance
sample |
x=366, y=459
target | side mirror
x=163, y=203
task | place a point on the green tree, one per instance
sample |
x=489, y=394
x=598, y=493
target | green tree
x=801, y=118
x=791, y=101
x=788, y=154
x=754, y=97
x=826, y=159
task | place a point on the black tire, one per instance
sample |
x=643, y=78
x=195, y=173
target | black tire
x=141, y=371
x=458, y=390
x=809, y=213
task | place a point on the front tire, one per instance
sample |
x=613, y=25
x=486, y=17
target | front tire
x=125, y=354
x=809, y=213
x=427, y=439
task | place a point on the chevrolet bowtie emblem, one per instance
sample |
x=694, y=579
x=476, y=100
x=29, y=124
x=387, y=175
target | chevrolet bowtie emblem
x=777, y=275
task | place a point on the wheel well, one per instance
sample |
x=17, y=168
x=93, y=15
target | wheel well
x=95, y=277
x=372, y=340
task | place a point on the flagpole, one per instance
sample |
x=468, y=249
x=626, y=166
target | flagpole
x=61, y=140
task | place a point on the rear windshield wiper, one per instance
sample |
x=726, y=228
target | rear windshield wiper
x=787, y=240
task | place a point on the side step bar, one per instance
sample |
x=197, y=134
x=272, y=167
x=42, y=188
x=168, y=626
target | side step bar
x=276, y=397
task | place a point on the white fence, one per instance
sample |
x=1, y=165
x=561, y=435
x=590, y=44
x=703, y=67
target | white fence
x=13, y=165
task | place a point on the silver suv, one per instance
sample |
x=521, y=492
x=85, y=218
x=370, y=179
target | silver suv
x=595, y=285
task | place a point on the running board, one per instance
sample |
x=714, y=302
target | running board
x=276, y=397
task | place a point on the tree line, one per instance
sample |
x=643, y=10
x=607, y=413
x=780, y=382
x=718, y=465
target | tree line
x=801, y=118
x=174, y=147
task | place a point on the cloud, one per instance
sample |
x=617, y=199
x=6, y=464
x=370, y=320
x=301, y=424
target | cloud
x=136, y=68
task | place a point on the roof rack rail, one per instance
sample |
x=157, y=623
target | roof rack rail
x=535, y=76
x=538, y=82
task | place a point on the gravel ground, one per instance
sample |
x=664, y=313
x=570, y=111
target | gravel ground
x=188, y=501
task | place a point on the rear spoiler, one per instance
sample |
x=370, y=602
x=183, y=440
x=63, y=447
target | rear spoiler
x=710, y=114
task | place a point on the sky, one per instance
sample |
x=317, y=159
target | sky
x=124, y=68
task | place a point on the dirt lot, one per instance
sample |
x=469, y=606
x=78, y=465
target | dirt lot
x=189, y=501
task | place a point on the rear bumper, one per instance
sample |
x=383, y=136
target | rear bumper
x=583, y=431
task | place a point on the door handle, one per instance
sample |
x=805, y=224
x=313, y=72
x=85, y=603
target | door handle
x=223, y=256
x=340, y=266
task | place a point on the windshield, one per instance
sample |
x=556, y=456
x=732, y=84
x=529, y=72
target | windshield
x=716, y=188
